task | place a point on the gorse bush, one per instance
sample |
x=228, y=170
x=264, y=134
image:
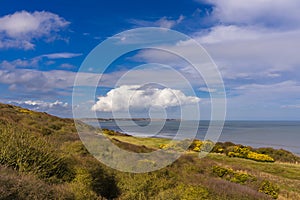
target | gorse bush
x=231, y=175
x=195, y=145
x=245, y=152
x=259, y=157
x=27, y=153
x=269, y=188
x=279, y=154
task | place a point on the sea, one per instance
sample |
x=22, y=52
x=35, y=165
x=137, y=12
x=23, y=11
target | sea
x=276, y=134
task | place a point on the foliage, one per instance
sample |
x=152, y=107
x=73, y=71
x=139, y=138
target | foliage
x=72, y=173
x=186, y=192
x=112, y=132
x=233, y=176
x=259, y=157
x=245, y=152
x=14, y=185
x=81, y=186
x=179, y=146
x=26, y=153
x=279, y=155
x=269, y=188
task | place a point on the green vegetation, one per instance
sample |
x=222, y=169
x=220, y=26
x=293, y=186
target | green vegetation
x=233, y=176
x=269, y=188
x=42, y=157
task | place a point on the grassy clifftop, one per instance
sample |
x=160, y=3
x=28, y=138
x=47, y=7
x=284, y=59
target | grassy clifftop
x=42, y=157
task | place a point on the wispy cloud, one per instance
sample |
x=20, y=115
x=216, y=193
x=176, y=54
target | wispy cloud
x=38, y=104
x=36, y=61
x=163, y=22
x=21, y=29
x=61, y=55
x=297, y=106
x=56, y=107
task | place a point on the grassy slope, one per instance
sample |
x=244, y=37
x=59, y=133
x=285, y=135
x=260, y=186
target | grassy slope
x=86, y=178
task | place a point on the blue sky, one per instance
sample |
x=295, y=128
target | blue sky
x=255, y=45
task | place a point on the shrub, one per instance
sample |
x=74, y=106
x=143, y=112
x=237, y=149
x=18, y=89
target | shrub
x=259, y=157
x=279, y=155
x=269, y=188
x=196, y=145
x=245, y=152
x=218, y=149
x=231, y=175
x=176, y=145
x=81, y=186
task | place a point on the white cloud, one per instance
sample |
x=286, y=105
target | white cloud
x=205, y=89
x=163, y=22
x=271, y=13
x=297, y=106
x=30, y=80
x=137, y=97
x=263, y=101
x=240, y=52
x=263, y=56
x=61, y=55
x=232, y=33
x=18, y=30
x=42, y=104
x=57, y=107
x=19, y=63
x=67, y=66
x=34, y=62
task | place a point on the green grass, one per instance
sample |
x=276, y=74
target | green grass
x=42, y=157
x=148, y=142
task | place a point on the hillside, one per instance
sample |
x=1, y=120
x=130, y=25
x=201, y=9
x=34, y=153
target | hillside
x=42, y=157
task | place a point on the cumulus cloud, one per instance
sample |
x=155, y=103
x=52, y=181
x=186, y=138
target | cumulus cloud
x=18, y=30
x=163, y=22
x=140, y=98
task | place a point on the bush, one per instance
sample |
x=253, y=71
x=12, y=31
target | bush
x=198, y=145
x=232, y=176
x=259, y=157
x=279, y=155
x=245, y=152
x=179, y=146
x=269, y=188
x=81, y=186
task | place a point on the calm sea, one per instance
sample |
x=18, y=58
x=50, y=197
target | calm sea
x=277, y=134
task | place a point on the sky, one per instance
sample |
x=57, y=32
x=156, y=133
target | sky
x=255, y=45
